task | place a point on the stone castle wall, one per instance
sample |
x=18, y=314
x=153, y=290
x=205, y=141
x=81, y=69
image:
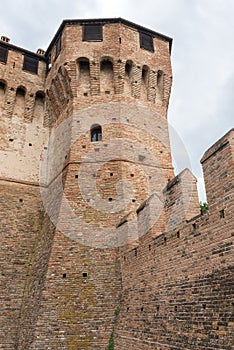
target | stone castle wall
x=178, y=284
x=89, y=228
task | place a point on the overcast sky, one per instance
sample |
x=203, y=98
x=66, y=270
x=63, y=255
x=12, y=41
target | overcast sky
x=202, y=57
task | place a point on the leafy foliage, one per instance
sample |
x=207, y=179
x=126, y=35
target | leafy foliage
x=203, y=207
x=111, y=344
x=117, y=311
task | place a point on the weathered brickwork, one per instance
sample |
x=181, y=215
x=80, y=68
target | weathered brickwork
x=26, y=238
x=178, y=284
x=21, y=118
x=98, y=238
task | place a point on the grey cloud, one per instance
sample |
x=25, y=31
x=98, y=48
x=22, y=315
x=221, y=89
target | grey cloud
x=202, y=58
x=32, y=24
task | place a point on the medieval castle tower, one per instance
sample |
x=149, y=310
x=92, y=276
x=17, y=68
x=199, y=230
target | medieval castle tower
x=100, y=242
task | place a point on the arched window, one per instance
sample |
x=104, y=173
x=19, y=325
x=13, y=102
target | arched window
x=96, y=133
x=128, y=78
x=128, y=69
x=2, y=92
x=39, y=104
x=21, y=91
x=145, y=75
x=40, y=97
x=107, y=67
x=84, y=76
x=84, y=68
x=19, y=107
x=106, y=76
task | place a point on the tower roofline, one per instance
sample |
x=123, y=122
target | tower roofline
x=87, y=21
x=106, y=21
x=22, y=50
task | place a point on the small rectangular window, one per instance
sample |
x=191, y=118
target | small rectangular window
x=146, y=42
x=30, y=64
x=3, y=54
x=221, y=214
x=58, y=46
x=92, y=32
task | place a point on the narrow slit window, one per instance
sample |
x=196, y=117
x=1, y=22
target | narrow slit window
x=30, y=64
x=146, y=42
x=58, y=46
x=145, y=75
x=3, y=54
x=92, y=32
x=160, y=82
x=221, y=214
x=96, y=133
x=128, y=69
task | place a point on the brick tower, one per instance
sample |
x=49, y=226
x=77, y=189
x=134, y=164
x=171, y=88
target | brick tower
x=107, y=93
x=84, y=138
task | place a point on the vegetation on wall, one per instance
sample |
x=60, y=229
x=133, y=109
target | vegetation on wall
x=203, y=207
x=111, y=344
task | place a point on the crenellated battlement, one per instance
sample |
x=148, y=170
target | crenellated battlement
x=108, y=61
x=22, y=111
x=103, y=81
x=218, y=169
x=17, y=100
x=121, y=58
x=180, y=204
x=22, y=77
x=181, y=272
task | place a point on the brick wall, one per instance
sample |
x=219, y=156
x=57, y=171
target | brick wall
x=23, y=136
x=177, y=284
x=26, y=237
